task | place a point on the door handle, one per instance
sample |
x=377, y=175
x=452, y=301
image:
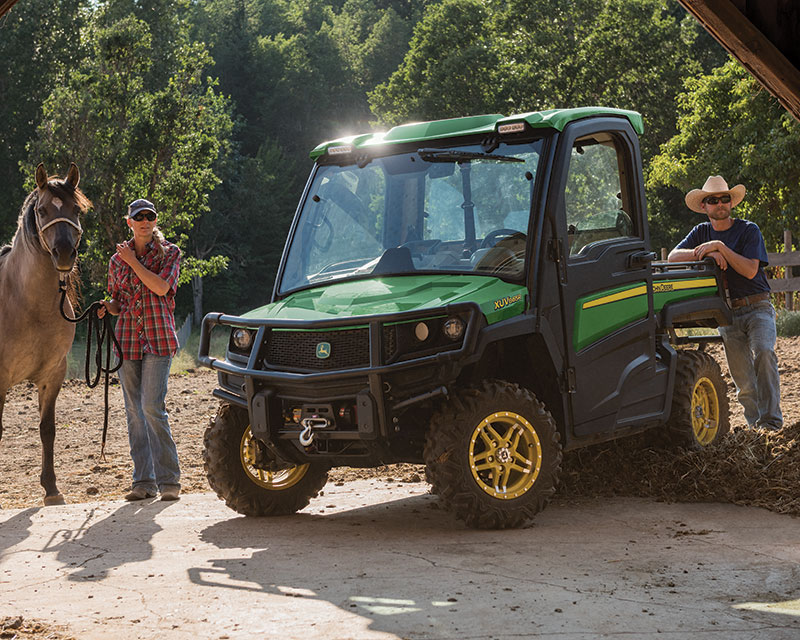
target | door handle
x=641, y=259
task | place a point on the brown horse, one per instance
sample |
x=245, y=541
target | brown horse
x=34, y=338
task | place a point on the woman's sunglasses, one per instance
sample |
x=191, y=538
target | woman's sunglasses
x=717, y=199
x=152, y=216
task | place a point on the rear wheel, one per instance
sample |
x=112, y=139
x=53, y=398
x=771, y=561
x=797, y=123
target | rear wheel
x=699, y=415
x=493, y=455
x=241, y=475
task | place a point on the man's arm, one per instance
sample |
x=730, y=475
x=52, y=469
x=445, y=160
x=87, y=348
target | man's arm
x=747, y=267
x=690, y=255
x=681, y=255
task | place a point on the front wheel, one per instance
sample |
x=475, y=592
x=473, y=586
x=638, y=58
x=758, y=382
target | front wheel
x=240, y=475
x=699, y=416
x=493, y=455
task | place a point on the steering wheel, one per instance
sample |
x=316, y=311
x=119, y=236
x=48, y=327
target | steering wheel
x=493, y=237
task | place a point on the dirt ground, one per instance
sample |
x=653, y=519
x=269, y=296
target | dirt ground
x=750, y=467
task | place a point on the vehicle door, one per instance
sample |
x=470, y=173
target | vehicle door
x=605, y=278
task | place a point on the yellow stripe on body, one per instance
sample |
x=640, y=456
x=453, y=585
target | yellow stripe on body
x=676, y=285
x=658, y=287
x=614, y=297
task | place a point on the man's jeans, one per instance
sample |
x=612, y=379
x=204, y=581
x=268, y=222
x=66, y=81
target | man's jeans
x=750, y=350
x=155, y=458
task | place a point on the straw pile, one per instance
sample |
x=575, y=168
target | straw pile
x=748, y=467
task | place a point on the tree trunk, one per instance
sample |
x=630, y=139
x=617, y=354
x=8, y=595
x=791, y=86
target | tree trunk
x=197, y=294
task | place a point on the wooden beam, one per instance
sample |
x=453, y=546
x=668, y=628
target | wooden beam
x=5, y=5
x=783, y=284
x=734, y=31
x=790, y=258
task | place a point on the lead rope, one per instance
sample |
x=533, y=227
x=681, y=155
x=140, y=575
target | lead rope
x=104, y=332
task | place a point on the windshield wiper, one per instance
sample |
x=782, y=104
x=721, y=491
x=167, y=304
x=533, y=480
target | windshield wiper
x=456, y=155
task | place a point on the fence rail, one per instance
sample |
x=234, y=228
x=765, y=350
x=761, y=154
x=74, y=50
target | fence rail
x=185, y=331
x=787, y=259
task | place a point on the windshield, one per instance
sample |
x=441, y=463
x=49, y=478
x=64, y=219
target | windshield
x=451, y=210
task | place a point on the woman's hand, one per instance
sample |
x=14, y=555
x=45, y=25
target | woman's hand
x=127, y=254
x=110, y=306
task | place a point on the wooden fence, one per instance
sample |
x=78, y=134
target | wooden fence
x=787, y=259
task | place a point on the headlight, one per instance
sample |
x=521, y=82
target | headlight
x=453, y=328
x=421, y=331
x=242, y=339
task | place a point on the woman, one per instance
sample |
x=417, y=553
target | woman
x=142, y=280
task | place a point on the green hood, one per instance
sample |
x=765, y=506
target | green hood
x=497, y=299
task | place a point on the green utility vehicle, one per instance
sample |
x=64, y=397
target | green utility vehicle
x=476, y=294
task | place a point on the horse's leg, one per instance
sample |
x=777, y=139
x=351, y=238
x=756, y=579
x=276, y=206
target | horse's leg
x=48, y=392
x=2, y=404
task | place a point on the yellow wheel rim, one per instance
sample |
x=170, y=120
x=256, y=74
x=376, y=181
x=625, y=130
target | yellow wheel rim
x=705, y=411
x=505, y=455
x=272, y=480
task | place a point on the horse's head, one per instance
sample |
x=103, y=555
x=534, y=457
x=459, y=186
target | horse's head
x=59, y=204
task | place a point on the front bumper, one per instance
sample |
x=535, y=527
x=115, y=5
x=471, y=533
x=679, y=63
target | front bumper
x=379, y=391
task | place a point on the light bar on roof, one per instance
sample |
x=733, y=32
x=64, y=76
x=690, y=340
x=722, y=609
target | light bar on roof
x=340, y=149
x=514, y=127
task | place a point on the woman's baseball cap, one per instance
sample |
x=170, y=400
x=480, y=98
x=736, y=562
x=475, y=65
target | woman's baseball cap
x=140, y=205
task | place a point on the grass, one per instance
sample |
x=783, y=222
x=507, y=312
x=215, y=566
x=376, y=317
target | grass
x=185, y=359
x=788, y=323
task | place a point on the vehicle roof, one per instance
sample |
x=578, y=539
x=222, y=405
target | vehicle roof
x=453, y=127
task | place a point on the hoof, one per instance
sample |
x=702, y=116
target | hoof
x=49, y=501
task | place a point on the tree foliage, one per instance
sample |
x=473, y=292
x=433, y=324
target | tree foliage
x=133, y=137
x=730, y=126
x=210, y=108
x=511, y=56
x=37, y=48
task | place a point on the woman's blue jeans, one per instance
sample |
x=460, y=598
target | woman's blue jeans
x=750, y=350
x=144, y=387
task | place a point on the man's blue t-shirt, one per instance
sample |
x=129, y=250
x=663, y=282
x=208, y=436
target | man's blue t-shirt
x=745, y=238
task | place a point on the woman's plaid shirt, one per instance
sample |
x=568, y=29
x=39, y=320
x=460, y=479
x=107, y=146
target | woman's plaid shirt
x=146, y=321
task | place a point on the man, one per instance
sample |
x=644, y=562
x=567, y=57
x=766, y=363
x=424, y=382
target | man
x=738, y=248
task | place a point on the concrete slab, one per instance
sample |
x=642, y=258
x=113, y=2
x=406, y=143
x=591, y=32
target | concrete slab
x=371, y=560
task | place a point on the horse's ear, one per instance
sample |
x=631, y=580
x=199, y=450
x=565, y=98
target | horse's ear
x=41, y=176
x=73, y=175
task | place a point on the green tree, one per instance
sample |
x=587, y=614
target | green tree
x=250, y=214
x=511, y=56
x=39, y=43
x=728, y=125
x=133, y=139
x=449, y=70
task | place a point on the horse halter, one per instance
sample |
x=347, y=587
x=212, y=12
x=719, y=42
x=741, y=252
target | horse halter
x=41, y=228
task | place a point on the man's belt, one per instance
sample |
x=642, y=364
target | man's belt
x=748, y=300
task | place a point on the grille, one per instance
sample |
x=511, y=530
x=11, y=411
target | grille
x=389, y=343
x=298, y=349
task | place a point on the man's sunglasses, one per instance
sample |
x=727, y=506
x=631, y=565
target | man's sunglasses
x=150, y=215
x=717, y=199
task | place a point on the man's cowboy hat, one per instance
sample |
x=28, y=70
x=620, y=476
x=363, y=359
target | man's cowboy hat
x=714, y=186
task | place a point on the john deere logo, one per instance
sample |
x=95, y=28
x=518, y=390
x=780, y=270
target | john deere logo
x=323, y=350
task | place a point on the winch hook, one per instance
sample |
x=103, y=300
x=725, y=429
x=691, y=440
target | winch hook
x=307, y=434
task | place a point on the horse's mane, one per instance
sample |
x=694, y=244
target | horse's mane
x=26, y=228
